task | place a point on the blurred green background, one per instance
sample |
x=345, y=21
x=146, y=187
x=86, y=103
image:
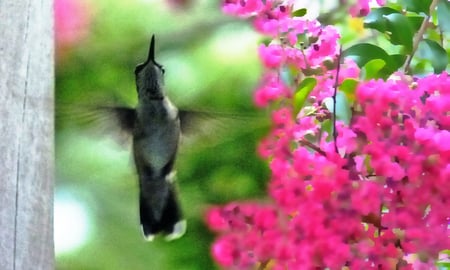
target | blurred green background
x=211, y=65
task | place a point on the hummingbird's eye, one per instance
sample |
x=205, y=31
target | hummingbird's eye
x=161, y=68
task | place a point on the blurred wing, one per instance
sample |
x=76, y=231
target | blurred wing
x=212, y=128
x=126, y=117
x=115, y=121
x=190, y=120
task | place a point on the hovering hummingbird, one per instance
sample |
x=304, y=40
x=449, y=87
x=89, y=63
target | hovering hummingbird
x=155, y=129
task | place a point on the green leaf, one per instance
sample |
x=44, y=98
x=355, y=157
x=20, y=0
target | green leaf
x=420, y=67
x=397, y=26
x=287, y=75
x=400, y=30
x=343, y=110
x=415, y=21
x=443, y=265
x=395, y=6
x=374, y=69
x=376, y=20
x=348, y=87
x=418, y=5
x=432, y=51
x=365, y=52
x=302, y=93
x=329, y=64
x=397, y=61
x=266, y=41
x=299, y=12
x=443, y=14
x=312, y=71
x=327, y=126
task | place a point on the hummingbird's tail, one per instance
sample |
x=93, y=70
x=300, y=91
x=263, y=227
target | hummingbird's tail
x=161, y=213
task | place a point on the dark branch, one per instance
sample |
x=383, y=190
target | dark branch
x=336, y=82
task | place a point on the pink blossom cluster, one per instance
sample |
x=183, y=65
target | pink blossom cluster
x=362, y=7
x=72, y=21
x=368, y=198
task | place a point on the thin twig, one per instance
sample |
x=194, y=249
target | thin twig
x=381, y=215
x=336, y=82
x=314, y=147
x=419, y=36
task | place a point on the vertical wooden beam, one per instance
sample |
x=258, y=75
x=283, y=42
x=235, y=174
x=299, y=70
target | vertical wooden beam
x=26, y=134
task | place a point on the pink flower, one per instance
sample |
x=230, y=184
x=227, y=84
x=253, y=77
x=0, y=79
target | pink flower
x=215, y=219
x=242, y=7
x=326, y=48
x=271, y=89
x=72, y=21
x=362, y=8
x=441, y=140
x=271, y=55
x=225, y=251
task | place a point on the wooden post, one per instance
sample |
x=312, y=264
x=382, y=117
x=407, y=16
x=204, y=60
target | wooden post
x=26, y=134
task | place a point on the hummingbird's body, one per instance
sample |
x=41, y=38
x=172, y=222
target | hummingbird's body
x=155, y=142
x=155, y=127
x=156, y=131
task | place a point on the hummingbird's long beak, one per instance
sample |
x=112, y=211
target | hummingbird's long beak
x=151, y=51
x=150, y=58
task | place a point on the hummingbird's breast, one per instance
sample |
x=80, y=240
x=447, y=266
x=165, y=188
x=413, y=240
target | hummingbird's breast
x=157, y=134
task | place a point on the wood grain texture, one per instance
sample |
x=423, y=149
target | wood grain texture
x=26, y=134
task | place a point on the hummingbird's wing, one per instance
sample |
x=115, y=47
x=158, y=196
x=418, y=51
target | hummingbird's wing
x=206, y=128
x=115, y=120
x=125, y=116
x=190, y=120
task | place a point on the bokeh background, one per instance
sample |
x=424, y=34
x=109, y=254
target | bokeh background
x=211, y=65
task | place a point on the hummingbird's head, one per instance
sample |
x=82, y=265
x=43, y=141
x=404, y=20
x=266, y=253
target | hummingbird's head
x=150, y=76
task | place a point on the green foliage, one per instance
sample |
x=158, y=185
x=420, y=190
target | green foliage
x=299, y=12
x=443, y=14
x=432, y=51
x=375, y=19
x=417, y=6
x=415, y=21
x=373, y=69
x=348, y=87
x=343, y=108
x=399, y=28
x=302, y=93
x=363, y=53
x=400, y=24
x=444, y=264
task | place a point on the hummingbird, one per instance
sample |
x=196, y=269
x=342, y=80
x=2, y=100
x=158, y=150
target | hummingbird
x=154, y=126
